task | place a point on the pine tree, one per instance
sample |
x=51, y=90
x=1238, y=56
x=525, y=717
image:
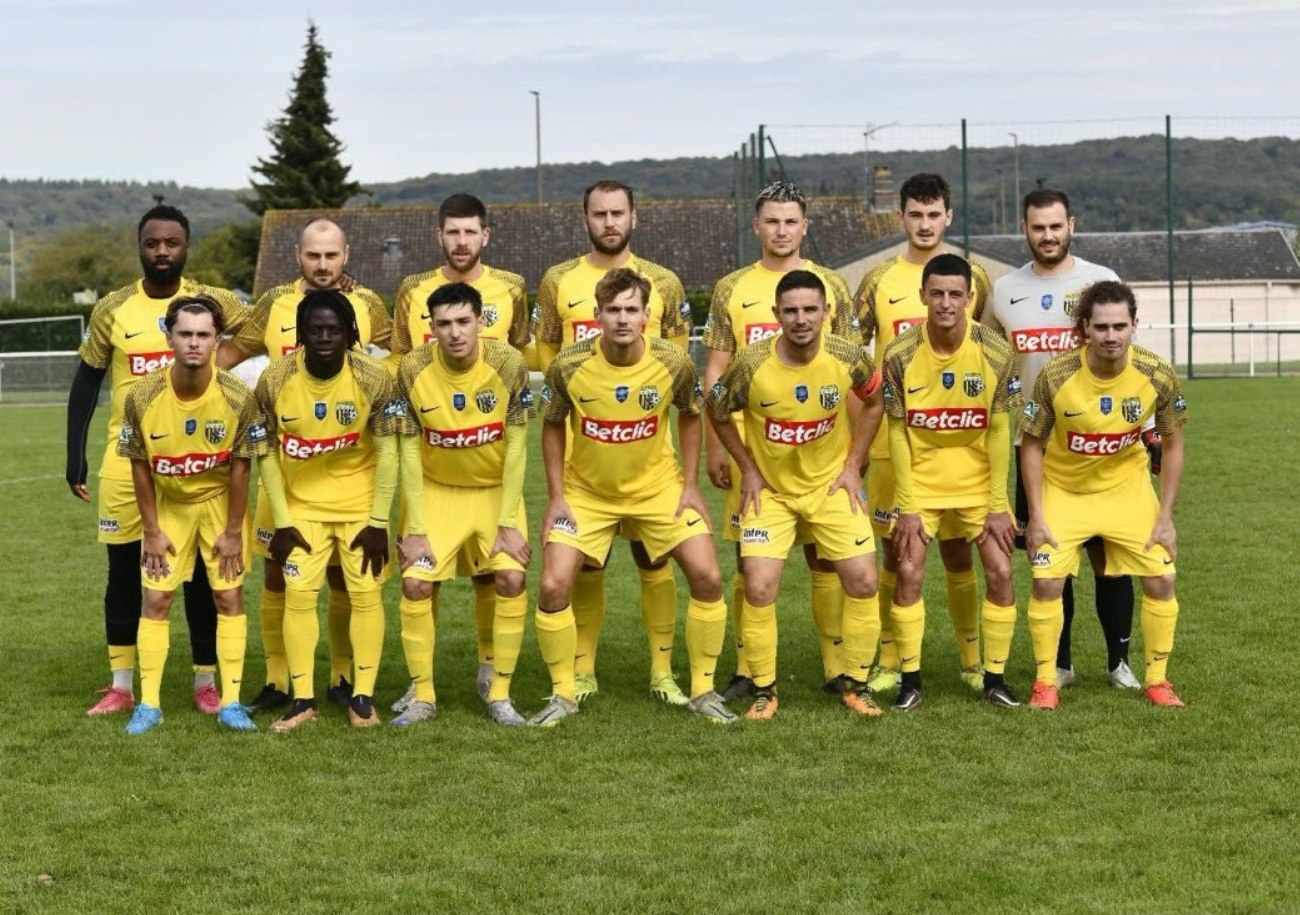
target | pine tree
x=304, y=171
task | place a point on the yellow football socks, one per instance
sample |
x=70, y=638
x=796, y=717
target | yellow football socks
x=659, y=612
x=861, y=635
x=909, y=632
x=1159, y=617
x=339, y=617
x=232, y=644
x=1046, y=620
x=301, y=635
x=277, y=665
x=588, y=611
x=152, y=642
x=507, y=642
x=828, y=616
x=737, y=630
x=999, y=627
x=367, y=633
x=964, y=610
x=885, y=597
x=557, y=640
x=485, y=613
x=706, y=629
x=418, y=641
x=760, y=642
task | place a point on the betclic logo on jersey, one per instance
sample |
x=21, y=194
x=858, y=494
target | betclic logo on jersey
x=1101, y=444
x=795, y=432
x=585, y=330
x=465, y=438
x=949, y=419
x=615, y=432
x=142, y=364
x=188, y=465
x=755, y=333
x=302, y=449
x=1044, y=340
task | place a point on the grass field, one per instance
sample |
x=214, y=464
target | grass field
x=1108, y=805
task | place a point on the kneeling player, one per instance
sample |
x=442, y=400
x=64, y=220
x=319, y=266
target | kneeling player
x=1085, y=472
x=801, y=464
x=471, y=399
x=190, y=432
x=614, y=392
x=950, y=386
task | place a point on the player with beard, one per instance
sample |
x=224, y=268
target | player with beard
x=463, y=233
x=739, y=316
x=566, y=314
x=271, y=330
x=1034, y=306
x=127, y=340
x=887, y=303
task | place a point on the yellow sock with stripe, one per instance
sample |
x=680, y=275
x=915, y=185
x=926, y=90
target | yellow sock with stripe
x=737, y=629
x=828, y=616
x=367, y=639
x=1046, y=620
x=659, y=612
x=861, y=635
x=277, y=664
x=339, y=617
x=301, y=635
x=507, y=643
x=706, y=630
x=151, y=644
x=909, y=633
x=557, y=640
x=588, y=610
x=1159, y=619
x=418, y=640
x=760, y=642
x=232, y=646
x=999, y=627
x=121, y=665
x=885, y=597
x=485, y=614
x=964, y=611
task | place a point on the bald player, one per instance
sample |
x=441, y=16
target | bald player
x=271, y=330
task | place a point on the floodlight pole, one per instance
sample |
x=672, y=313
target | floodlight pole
x=1015, y=146
x=537, y=119
x=13, y=267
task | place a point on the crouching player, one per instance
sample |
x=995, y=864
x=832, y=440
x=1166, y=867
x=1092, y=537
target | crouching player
x=613, y=392
x=465, y=470
x=332, y=416
x=1085, y=474
x=801, y=464
x=950, y=390
x=190, y=432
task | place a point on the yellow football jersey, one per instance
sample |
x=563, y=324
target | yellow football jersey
x=796, y=421
x=127, y=336
x=618, y=415
x=325, y=432
x=566, y=302
x=1092, y=427
x=888, y=302
x=740, y=312
x=946, y=402
x=189, y=444
x=505, y=308
x=272, y=326
x=462, y=416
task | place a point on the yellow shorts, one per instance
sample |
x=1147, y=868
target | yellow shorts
x=731, y=530
x=954, y=523
x=306, y=571
x=829, y=520
x=597, y=519
x=880, y=496
x=462, y=529
x=119, y=516
x=1122, y=516
x=264, y=528
x=194, y=528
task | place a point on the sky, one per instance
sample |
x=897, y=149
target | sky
x=183, y=91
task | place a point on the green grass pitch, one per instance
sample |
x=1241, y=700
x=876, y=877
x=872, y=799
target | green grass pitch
x=1107, y=805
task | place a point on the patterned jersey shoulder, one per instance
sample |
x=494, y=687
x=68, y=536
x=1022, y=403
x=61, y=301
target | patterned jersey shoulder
x=143, y=393
x=412, y=364
x=233, y=310
x=1171, y=406
x=97, y=346
x=676, y=320
x=681, y=369
x=864, y=300
x=235, y=393
x=251, y=338
x=731, y=392
x=996, y=348
x=898, y=356
x=836, y=287
x=852, y=355
x=505, y=360
x=548, y=327
x=515, y=281
x=1039, y=415
x=555, y=396
x=718, y=332
x=981, y=288
x=407, y=287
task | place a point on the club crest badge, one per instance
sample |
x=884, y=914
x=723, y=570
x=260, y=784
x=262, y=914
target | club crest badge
x=458, y=400
x=345, y=411
x=191, y=426
x=486, y=400
x=830, y=396
x=1046, y=301
x=648, y=397
x=490, y=315
x=621, y=393
x=949, y=379
x=801, y=393
x=1131, y=409
x=1107, y=404
x=320, y=410
x=214, y=430
x=973, y=384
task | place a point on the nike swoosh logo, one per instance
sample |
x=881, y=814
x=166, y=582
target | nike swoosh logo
x=577, y=303
x=429, y=409
x=298, y=676
x=693, y=522
x=860, y=542
x=914, y=390
x=136, y=334
x=285, y=330
x=907, y=660
x=154, y=438
x=975, y=639
x=1169, y=562
x=1069, y=415
x=768, y=403
x=588, y=399
x=371, y=667
x=424, y=317
x=747, y=304
x=665, y=648
x=897, y=300
x=1019, y=300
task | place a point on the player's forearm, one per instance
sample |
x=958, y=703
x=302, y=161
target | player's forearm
x=690, y=435
x=241, y=469
x=999, y=451
x=386, y=469
x=729, y=435
x=82, y=398
x=230, y=354
x=553, y=458
x=713, y=369
x=1171, y=473
x=273, y=483
x=146, y=497
x=866, y=416
x=512, y=475
x=1031, y=473
x=900, y=458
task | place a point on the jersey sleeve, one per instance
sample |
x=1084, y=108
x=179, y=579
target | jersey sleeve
x=251, y=338
x=676, y=322
x=864, y=303
x=1039, y=414
x=250, y=425
x=549, y=329
x=401, y=336
x=518, y=333
x=844, y=317
x=730, y=394
x=510, y=368
x=1007, y=395
x=1171, y=405
x=235, y=312
x=718, y=332
x=130, y=438
x=981, y=290
x=96, y=348
x=687, y=396
x=381, y=325
x=891, y=384
x=388, y=412
x=556, y=404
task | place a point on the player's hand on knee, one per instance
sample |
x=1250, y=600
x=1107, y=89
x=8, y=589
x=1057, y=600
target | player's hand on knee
x=557, y=510
x=752, y=485
x=373, y=543
x=284, y=541
x=1037, y=533
x=1002, y=529
x=851, y=482
x=719, y=469
x=513, y=543
x=412, y=548
x=1165, y=535
x=229, y=551
x=909, y=537
x=692, y=498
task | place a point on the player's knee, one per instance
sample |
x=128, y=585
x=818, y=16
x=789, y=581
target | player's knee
x=760, y=592
x=888, y=558
x=997, y=583
x=859, y=584
x=415, y=589
x=1045, y=589
x=230, y=602
x=510, y=583
x=554, y=593
x=157, y=604
x=1159, y=587
x=956, y=555
x=705, y=582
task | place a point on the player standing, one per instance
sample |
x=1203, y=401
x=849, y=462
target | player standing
x=801, y=466
x=332, y=415
x=888, y=302
x=612, y=393
x=567, y=314
x=465, y=470
x=271, y=330
x=739, y=316
x=190, y=433
x=127, y=340
x=1035, y=307
x=950, y=387
x=1085, y=475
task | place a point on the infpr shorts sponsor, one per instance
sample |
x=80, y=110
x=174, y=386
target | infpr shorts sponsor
x=755, y=535
x=474, y=437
